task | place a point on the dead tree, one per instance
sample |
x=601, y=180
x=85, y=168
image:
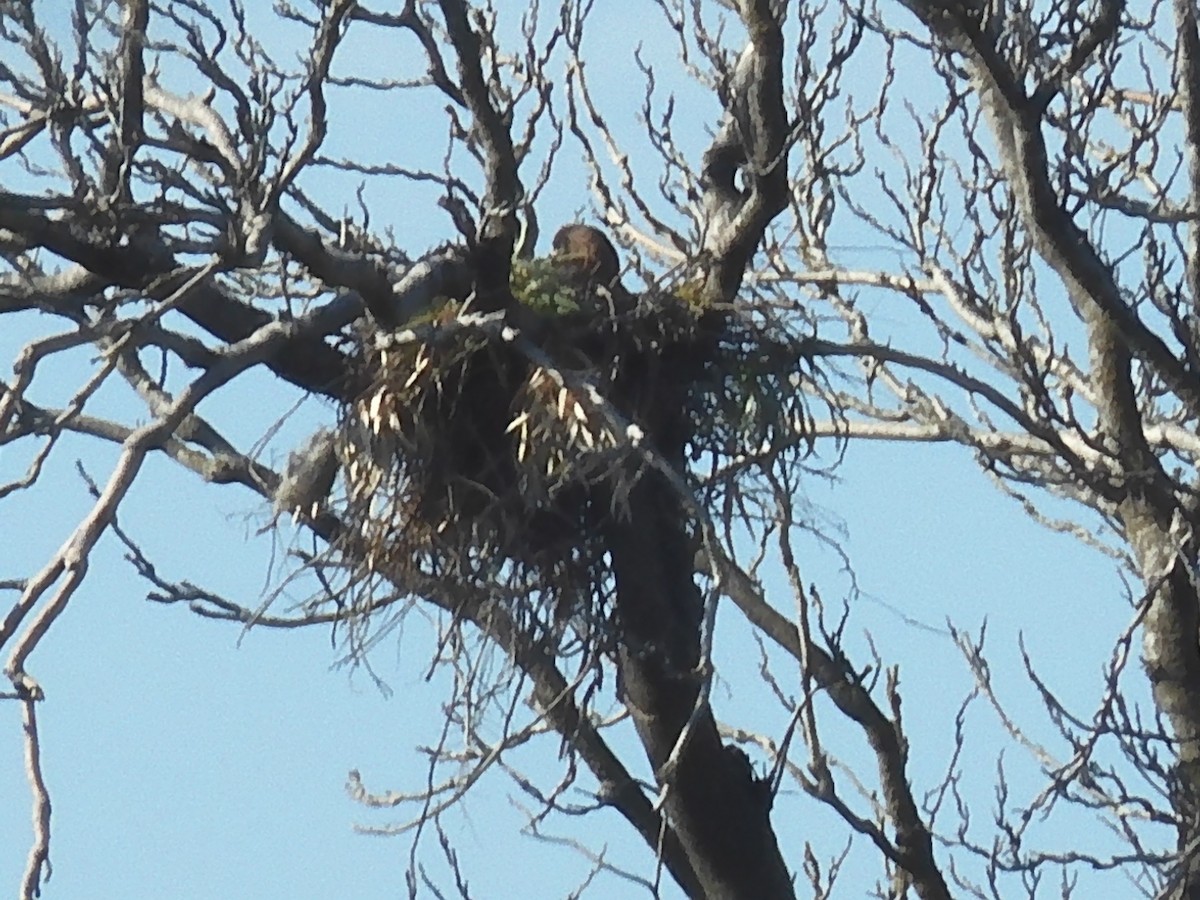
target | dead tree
x=570, y=454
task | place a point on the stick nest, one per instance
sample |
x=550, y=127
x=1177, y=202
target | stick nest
x=472, y=462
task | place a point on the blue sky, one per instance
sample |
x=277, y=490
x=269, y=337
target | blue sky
x=187, y=758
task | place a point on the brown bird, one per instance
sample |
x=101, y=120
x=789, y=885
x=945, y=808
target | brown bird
x=586, y=250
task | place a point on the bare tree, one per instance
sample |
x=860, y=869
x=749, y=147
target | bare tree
x=573, y=472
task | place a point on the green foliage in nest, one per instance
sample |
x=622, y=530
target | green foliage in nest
x=543, y=286
x=693, y=294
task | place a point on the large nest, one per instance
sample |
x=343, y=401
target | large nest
x=465, y=459
x=470, y=460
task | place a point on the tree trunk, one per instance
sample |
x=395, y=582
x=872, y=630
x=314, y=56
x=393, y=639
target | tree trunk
x=715, y=805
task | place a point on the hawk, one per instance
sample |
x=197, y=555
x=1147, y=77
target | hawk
x=588, y=252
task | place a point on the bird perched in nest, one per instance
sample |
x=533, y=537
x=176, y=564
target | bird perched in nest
x=588, y=253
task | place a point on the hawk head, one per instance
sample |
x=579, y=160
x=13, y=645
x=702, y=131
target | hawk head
x=588, y=252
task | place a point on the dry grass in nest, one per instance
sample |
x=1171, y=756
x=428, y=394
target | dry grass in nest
x=468, y=466
x=465, y=463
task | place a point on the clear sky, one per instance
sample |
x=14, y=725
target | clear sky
x=189, y=759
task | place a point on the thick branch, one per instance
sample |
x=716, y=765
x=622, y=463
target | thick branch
x=914, y=844
x=752, y=142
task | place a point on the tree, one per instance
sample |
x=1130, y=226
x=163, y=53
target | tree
x=575, y=474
